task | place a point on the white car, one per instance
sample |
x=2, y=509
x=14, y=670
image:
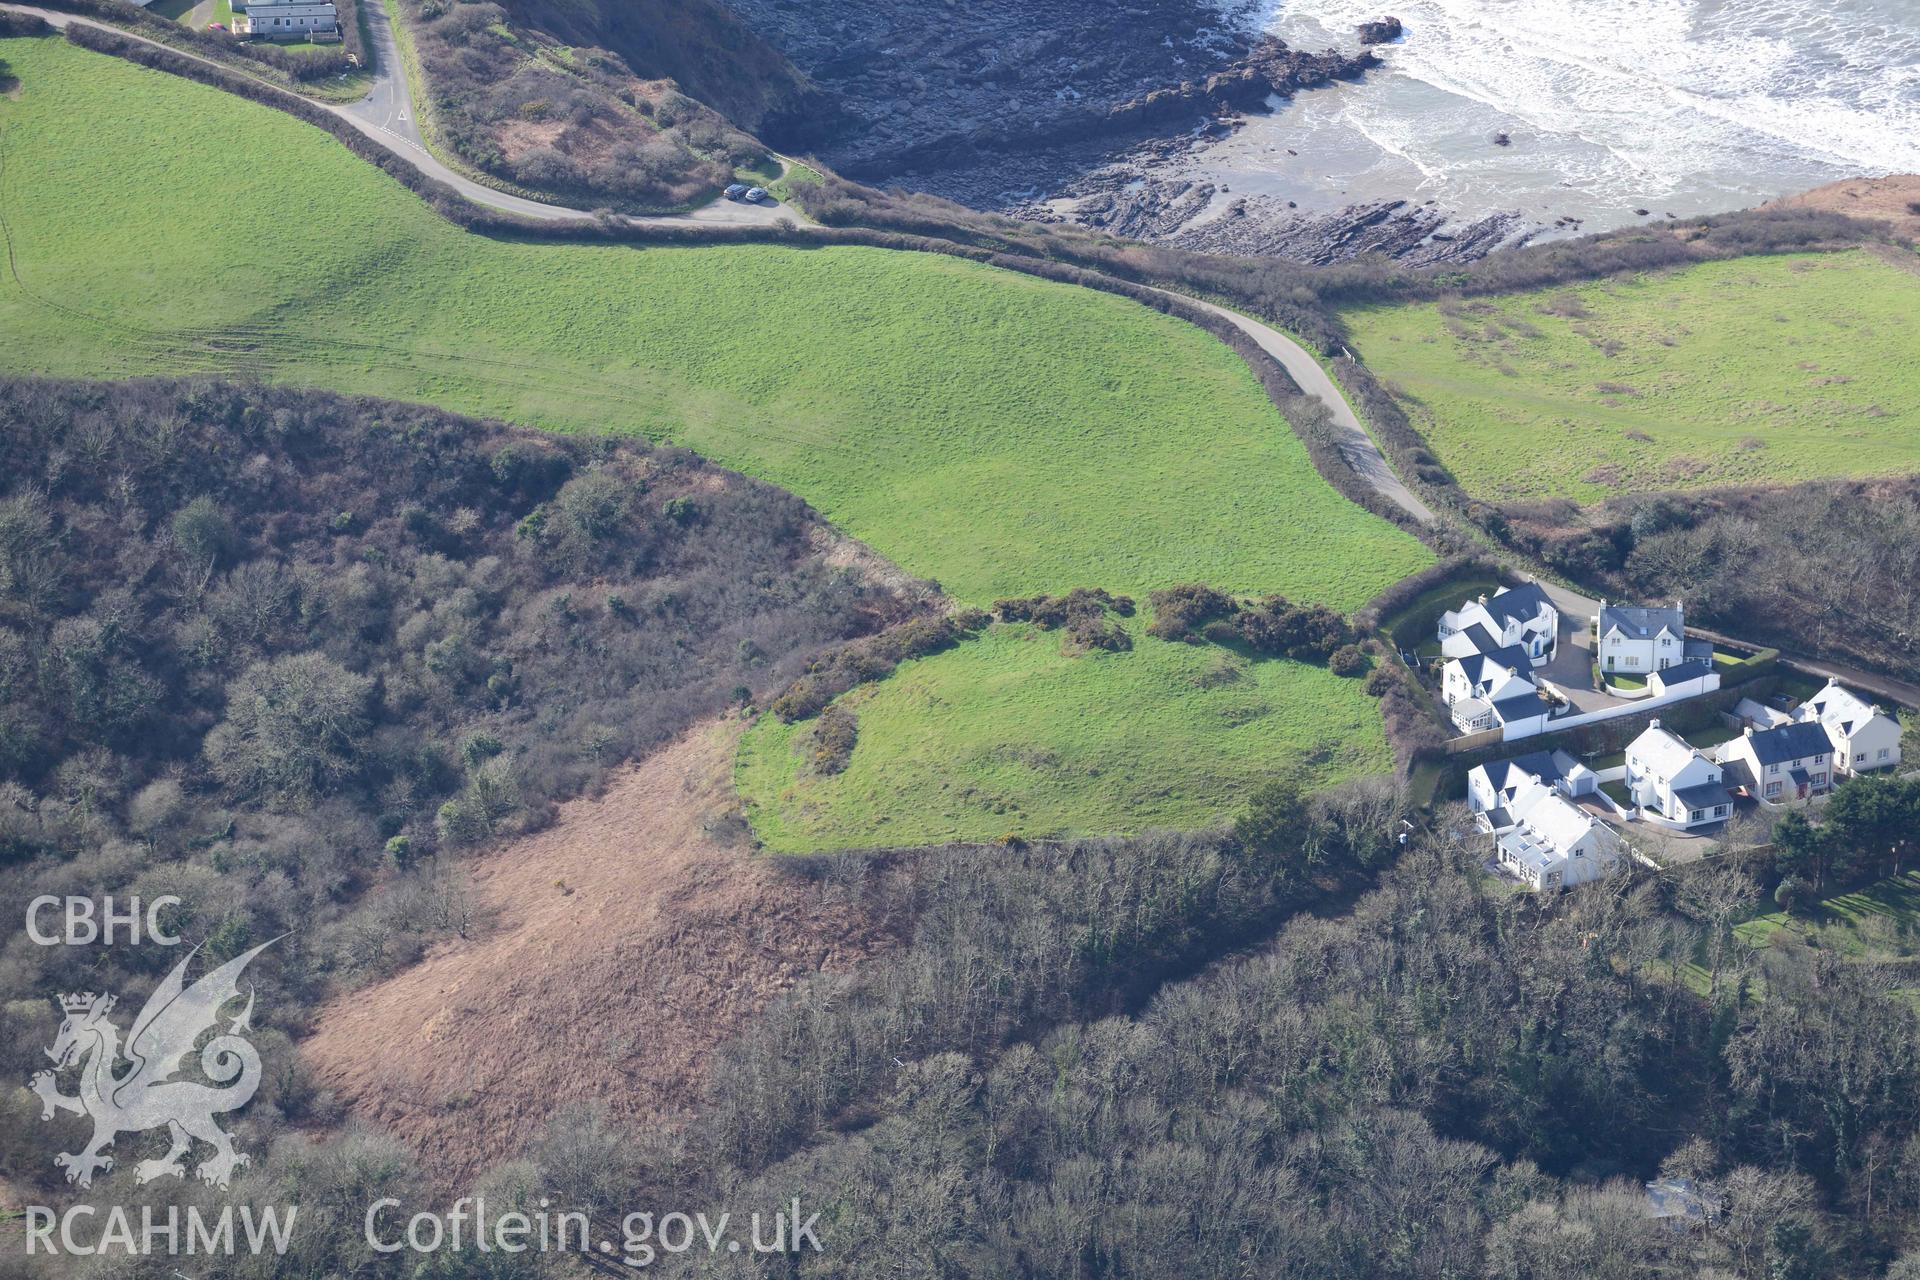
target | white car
x=755, y=195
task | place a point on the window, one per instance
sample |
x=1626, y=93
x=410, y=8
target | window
x=1719, y=811
x=1819, y=779
x=1883, y=754
x=1666, y=642
x=1820, y=759
x=1694, y=815
x=1773, y=788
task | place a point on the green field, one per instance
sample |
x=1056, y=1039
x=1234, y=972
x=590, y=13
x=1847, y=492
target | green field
x=1752, y=371
x=1005, y=735
x=994, y=432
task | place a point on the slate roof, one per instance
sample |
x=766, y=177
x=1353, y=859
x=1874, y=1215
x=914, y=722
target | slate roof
x=1640, y=622
x=1508, y=776
x=1521, y=706
x=1518, y=604
x=1484, y=640
x=1681, y=672
x=1484, y=668
x=1789, y=742
x=1705, y=796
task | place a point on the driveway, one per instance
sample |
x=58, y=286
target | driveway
x=1571, y=667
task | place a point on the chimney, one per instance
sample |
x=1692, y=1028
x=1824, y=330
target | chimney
x=1654, y=723
x=1747, y=732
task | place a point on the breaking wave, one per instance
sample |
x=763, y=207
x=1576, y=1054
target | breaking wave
x=1690, y=101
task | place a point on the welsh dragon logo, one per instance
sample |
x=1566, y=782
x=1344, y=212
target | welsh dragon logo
x=144, y=1094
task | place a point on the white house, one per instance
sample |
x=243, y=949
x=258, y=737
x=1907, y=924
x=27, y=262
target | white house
x=1488, y=691
x=1672, y=783
x=1553, y=843
x=1637, y=639
x=1513, y=617
x=1492, y=788
x=1863, y=736
x=1684, y=679
x=1787, y=762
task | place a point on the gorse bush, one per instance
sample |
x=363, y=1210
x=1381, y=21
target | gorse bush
x=834, y=735
x=1271, y=627
x=1081, y=614
x=873, y=658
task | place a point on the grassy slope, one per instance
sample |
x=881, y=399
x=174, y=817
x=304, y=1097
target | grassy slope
x=1817, y=357
x=1003, y=734
x=997, y=433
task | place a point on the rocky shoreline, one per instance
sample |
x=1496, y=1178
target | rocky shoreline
x=1088, y=111
x=1183, y=213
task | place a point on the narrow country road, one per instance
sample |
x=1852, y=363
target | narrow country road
x=1356, y=446
x=388, y=116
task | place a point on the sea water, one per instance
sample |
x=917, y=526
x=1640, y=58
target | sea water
x=1610, y=106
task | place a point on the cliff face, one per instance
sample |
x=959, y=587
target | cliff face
x=926, y=86
x=704, y=46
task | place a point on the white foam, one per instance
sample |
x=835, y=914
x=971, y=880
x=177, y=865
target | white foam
x=1692, y=101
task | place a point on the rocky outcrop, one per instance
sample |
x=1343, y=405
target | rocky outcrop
x=1187, y=214
x=1271, y=68
x=1381, y=31
x=1417, y=235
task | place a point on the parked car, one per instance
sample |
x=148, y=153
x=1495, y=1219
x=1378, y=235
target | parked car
x=216, y=26
x=737, y=190
x=756, y=194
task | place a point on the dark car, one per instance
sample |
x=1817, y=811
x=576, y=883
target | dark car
x=737, y=190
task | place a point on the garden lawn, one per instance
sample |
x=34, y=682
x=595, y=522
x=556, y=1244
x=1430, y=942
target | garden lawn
x=994, y=432
x=1752, y=371
x=1004, y=735
x=1880, y=922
